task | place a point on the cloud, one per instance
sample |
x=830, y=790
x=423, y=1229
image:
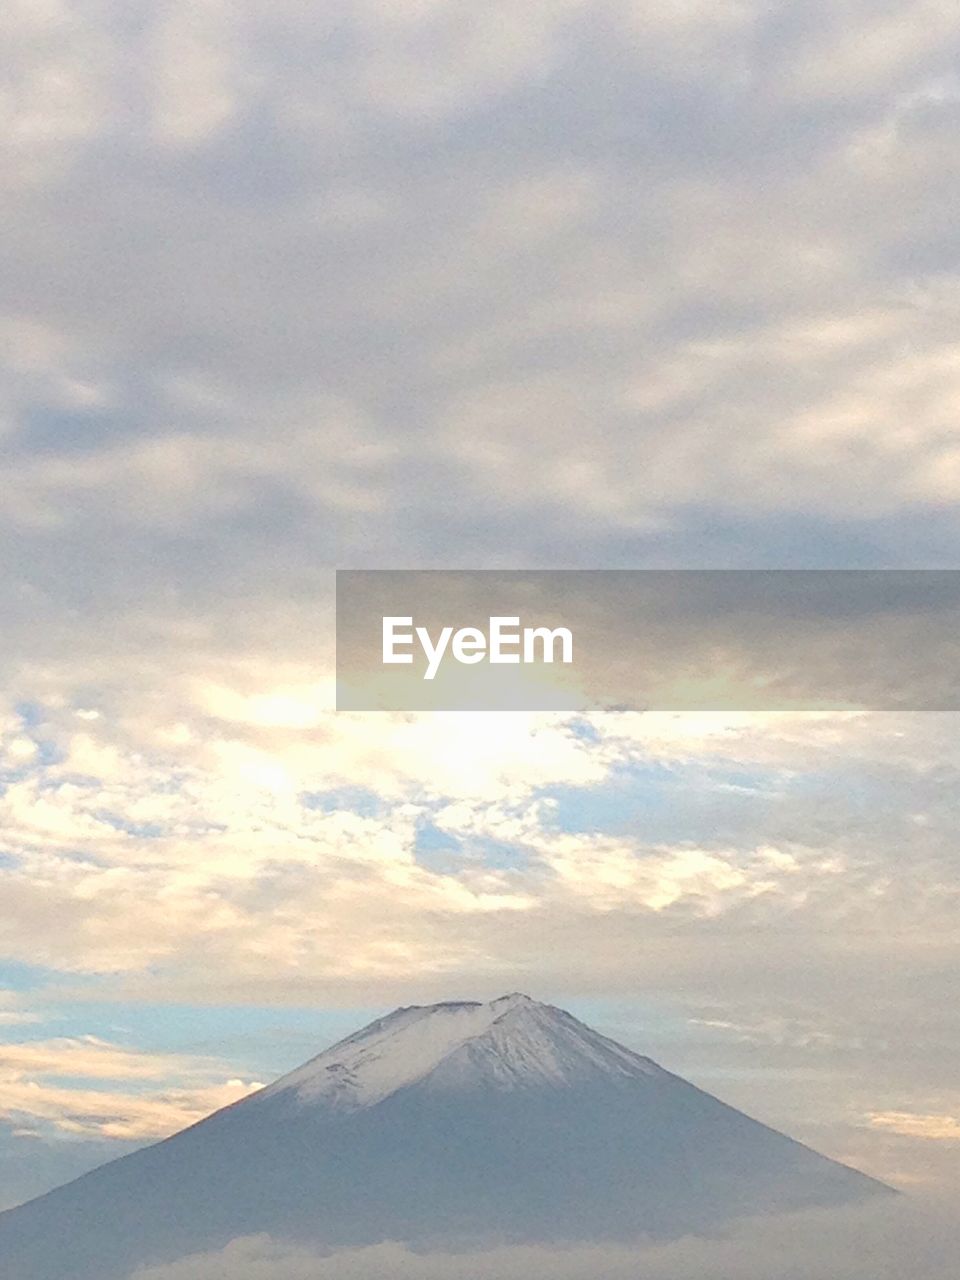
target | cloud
x=940, y=1128
x=12, y=1011
x=56, y=89
x=40, y=1093
x=919, y=1240
x=437, y=235
x=228, y=846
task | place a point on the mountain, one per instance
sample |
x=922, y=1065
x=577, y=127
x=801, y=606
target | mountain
x=458, y=1123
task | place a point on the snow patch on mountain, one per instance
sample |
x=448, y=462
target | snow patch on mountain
x=506, y=1043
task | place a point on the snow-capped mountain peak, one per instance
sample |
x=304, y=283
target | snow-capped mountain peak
x=452, y=1124
x=505, y=1043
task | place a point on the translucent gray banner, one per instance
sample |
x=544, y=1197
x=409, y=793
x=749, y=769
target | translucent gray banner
x=668, y=640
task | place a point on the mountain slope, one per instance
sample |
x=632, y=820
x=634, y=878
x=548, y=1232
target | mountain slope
x=466, y=1122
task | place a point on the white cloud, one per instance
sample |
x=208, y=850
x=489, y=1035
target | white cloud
x=228, y=848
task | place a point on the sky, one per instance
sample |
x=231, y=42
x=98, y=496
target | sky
x=578, y=284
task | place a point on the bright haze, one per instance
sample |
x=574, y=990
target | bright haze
x=479, y=1125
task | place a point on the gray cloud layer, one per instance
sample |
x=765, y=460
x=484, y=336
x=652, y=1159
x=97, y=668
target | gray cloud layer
x=601, y=280
x=601, y=283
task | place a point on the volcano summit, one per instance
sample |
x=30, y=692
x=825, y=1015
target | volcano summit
x=455, y=1123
